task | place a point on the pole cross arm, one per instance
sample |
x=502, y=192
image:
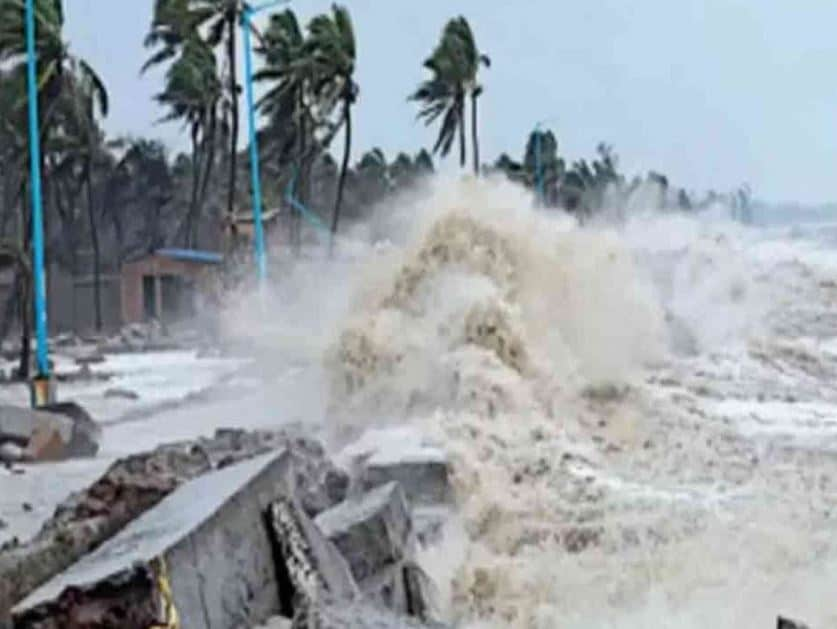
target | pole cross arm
x=251, y=10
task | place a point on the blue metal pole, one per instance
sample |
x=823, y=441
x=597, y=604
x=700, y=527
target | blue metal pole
x=37, y=207
x=255, y=174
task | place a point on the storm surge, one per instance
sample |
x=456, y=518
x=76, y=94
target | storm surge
x=638, y=415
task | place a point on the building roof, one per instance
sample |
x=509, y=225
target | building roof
x=191, y=255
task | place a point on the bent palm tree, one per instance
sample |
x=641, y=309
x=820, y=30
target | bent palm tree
x=176, y=22
x=192, y=94
x=332, y=54
x=454, y=65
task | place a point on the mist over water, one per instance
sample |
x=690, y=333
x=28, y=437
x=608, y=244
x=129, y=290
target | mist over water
x=640, y=415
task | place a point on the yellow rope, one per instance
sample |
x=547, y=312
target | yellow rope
x=172, y=619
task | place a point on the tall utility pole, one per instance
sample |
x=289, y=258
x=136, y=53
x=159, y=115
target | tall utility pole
x=41, y=390
x=255, y=174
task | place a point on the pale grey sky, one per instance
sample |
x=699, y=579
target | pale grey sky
x=712, y=92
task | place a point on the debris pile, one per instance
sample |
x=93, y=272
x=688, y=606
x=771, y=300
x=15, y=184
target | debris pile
x=238, y=530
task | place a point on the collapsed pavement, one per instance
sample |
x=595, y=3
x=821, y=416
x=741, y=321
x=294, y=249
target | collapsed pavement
x=231, y=531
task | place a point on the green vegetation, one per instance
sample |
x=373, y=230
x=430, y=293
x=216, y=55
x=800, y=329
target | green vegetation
x=110, y=199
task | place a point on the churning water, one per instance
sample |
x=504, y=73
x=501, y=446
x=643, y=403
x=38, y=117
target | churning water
x=641, y=417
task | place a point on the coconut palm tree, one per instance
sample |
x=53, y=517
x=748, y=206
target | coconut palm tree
x=59, y=74
x=192, y=94
x=286, y=103
x=454, y=65
x=331, y=56
x=79, y=141
x=177, y=22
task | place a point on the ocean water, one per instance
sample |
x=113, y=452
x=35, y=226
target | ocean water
x=641, y=417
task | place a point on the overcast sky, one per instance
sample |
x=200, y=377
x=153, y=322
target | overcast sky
x=712, y=92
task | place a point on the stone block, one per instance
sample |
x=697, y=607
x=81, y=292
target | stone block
x=372, y=531
x=18, y=423
x=203, y=554
x=314, y=567
x=423, y=475
x=86, y=433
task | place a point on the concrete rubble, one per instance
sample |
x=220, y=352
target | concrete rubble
x=202, y=553
x=50, y=433
x=238, y=530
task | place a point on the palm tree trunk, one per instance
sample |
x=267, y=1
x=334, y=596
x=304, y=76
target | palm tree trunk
x=301, y=190
x=463, y=159
x=231, y=57
x=193, y=199
x=94, y=241
x=23, y=292
x=344, y=167
x=209, y=151
x=475, y=144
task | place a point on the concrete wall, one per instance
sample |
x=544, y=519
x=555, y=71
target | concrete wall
x=157, y=267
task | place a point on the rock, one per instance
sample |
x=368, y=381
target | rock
x=319, y=483
x=86, y=433
x=428, y=523
x=17, y=424
x=46, y=444
x=784, y=623
x=129, y=488
x=423, y=475
x=372, y=532
x=125, y=394
x=11, y=453
x=203, y=551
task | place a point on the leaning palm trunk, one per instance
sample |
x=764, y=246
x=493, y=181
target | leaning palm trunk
x=341, y=184
x=463, y=159
x=209, y=150
x=94, y=241
x=475, y=133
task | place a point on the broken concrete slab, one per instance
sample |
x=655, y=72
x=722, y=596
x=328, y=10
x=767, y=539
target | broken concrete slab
x=320, y=484
x=315, y=568
x=86, y=433
x=208, y=541
x=422, y=473
x=130, y=487
x=45, y=444
x=372, y=532
x=18, y=423
x=429, y=522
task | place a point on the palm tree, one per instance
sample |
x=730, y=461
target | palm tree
x=454, y=65
x=59, y=74
x=192, y=94
x=285, y=103
x=177, y=22
x=86, y=95
x=332, y=54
